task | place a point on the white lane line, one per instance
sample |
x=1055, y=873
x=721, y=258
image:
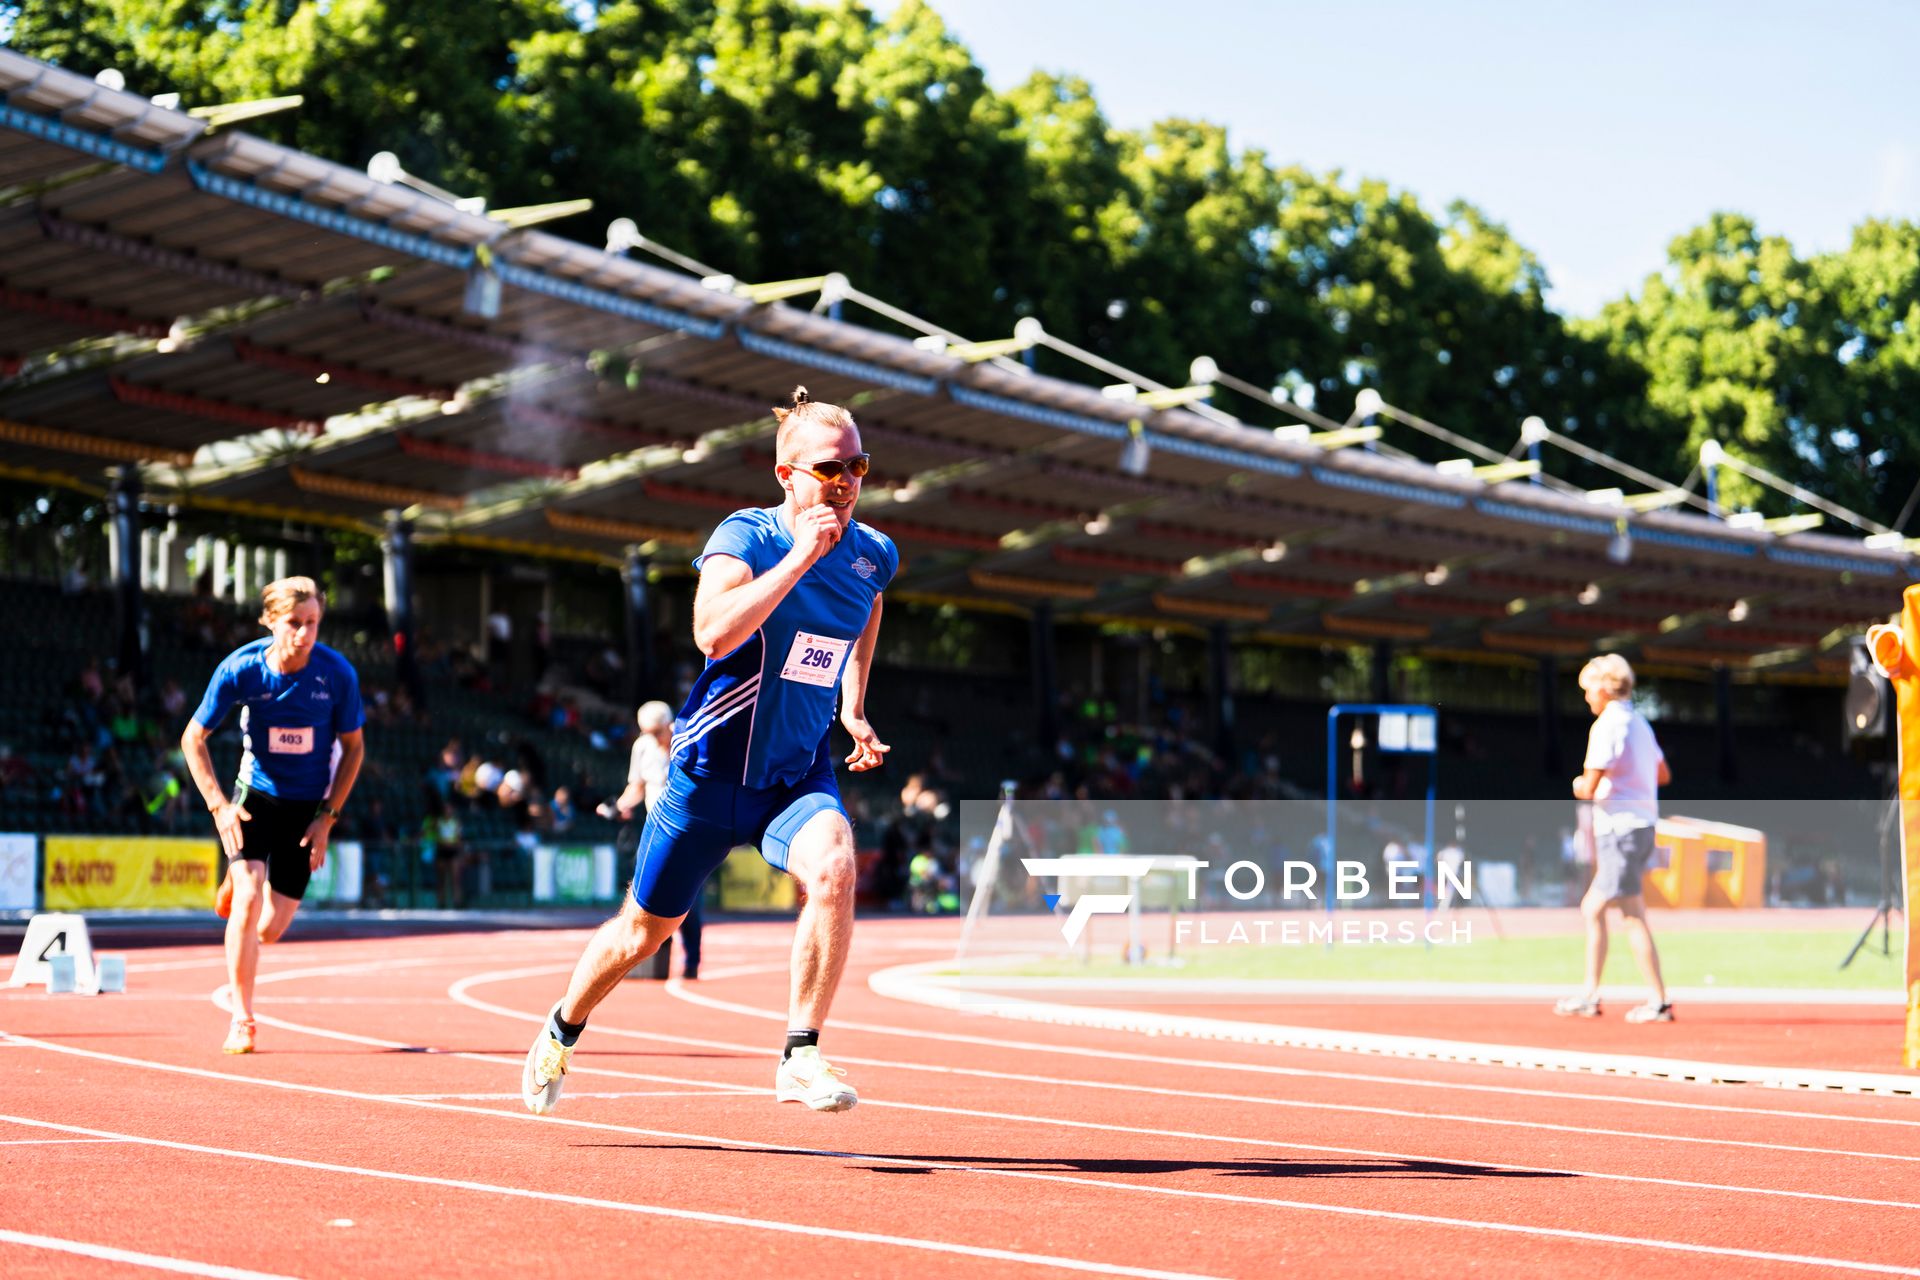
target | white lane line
x=194, y=997
x=458, y=993
x=634, y=1207
x=675, y=989
x=1185, y=1135
x=1175, y=989
x=1470, y=1224
x=722, y=1092
x=107, y=1253
x=906, y=983
x=52, y=1142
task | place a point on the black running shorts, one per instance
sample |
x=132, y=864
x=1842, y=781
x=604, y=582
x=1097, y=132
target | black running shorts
x=273, y=836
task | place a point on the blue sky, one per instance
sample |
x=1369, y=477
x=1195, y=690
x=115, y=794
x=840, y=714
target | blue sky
x=1596, y=132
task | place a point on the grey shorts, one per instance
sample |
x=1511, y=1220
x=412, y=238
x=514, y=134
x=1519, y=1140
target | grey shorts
x=1619, y=859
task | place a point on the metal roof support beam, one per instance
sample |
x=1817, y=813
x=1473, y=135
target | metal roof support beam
x=222, y=115
x=620, y=530
x=1714, y=454
x=333, y=220
x=185, y=264
x=57, y=441
x=335, y=371
x=76, y=313
x=1337, y=437
x=541, y=418
x=601, y=300
x=1490, y=473
x=384, y=495
x=202, y=407
x=459, y=335
x=774, y=290
x=532, y=215
x=480, y=459
x=58, y=131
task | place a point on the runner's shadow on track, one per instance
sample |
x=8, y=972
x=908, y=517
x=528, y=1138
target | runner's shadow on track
x=673, y=1053
x=1444, y=1170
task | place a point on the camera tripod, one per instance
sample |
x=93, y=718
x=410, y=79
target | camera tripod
x=1882, y=914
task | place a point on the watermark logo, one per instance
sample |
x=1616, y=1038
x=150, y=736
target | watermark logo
x=1086, y=905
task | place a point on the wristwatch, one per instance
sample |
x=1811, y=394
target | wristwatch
x=327, y=811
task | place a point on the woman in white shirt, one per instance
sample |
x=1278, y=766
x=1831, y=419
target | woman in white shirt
x=1622, y=775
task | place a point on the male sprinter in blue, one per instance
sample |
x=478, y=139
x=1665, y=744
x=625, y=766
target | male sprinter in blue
x=300, y=725
x=787, y=614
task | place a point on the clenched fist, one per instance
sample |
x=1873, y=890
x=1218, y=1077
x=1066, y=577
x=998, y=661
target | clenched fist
x=816, y=530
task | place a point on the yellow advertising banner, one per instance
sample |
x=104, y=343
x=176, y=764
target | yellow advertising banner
x=747, y=883
x=85, y=872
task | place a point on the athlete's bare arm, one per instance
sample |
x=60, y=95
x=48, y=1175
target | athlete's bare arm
x=868, y=751
x=353, y=750
x=731, y=604
x=227, y=816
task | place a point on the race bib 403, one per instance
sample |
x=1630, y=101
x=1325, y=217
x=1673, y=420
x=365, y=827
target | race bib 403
x=289, y=741
x=815, y=659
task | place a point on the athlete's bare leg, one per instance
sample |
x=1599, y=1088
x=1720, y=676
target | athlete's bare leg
x=243, y=940
x=1640, y=938
x=276, y=913
x=616, y=946
x=1594, y=908
x=821, y=859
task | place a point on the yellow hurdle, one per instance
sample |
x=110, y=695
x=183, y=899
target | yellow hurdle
x=1896, y=651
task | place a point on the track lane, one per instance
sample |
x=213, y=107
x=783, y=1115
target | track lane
x=1008, y=1141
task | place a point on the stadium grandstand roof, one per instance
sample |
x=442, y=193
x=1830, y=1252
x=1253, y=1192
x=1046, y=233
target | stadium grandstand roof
x=262, y=329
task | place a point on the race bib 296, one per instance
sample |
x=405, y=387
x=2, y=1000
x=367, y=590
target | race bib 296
x=815, y=659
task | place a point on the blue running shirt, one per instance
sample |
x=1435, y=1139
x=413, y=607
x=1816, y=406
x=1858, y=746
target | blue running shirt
x=760, y=715
x=290, y=725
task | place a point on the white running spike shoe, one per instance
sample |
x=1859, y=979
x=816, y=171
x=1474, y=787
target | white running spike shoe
x=239, y=1036
x=807, y=1077
x=546, y=1067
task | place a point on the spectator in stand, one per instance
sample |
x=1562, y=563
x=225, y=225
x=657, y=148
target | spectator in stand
x=560, y=811
x=91, y=685
x=173, y=701
x=85, y=781
x=14, y=772
x=499, y=649
x=376, y=835
x=443, y=775
x=542, y=645
x=443, y=849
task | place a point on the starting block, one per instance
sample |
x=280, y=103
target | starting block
x=50, y=934
x=58, y=953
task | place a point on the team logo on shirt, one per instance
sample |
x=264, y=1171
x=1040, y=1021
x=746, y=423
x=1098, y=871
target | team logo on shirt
x=865, y=567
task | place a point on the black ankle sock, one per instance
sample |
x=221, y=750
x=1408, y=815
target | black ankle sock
x=808, y=1039
x=569, y=1031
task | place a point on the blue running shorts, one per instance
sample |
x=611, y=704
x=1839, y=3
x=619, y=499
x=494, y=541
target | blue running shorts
x=700, y=820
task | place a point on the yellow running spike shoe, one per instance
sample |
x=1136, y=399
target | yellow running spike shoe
x=546, y=1067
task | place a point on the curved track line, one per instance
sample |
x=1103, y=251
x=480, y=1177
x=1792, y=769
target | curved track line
x=155, y=1261
x=684, y=1215
x=908, y=983
x=895, y=1160
x=1344, y=1107
x=1185, y=1134
x=678, y=991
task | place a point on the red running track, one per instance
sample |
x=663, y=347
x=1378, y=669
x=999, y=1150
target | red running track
x=378, y=1132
